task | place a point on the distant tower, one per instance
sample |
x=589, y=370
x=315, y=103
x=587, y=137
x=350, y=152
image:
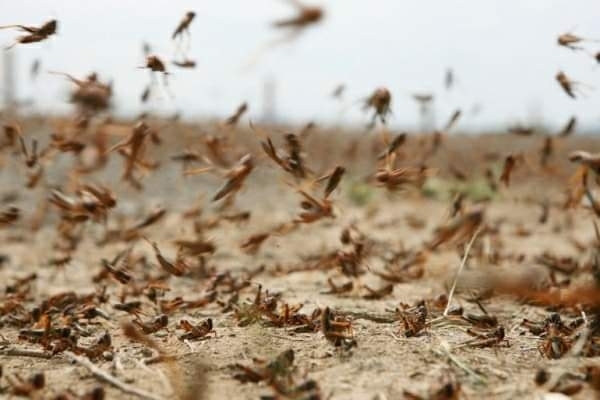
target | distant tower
x=426, y=111
x=430, y=120
x=535, y=112
x=269, y=89
x=9, y=80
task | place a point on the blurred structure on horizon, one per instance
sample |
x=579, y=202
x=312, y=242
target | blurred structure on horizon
x=9, y=81
x=269, y=113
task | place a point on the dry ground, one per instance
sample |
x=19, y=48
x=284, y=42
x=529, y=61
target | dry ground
x=384, y=363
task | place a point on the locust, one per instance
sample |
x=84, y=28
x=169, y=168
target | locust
x=117, y=272
x=34, y=69
x=452, y=120
x=315, y=209
x=521, y=130
x=569, y=127
x=31, y=158
x=486, y=338
x=307, y=15
x=177, y=268
x=235, y=178
x=90, y=93
x=185, y=63
x=131, y=307
x=194, y=248
x=293, y=162
x=338, y=289
x=396, y=178
x=394, y=145
x=26, y=387
x=413, y=318
x=546, y=151
x=571, y=41
x=449, y=79
x=134, y=144
x=586, y=159
x=333, y=180
x=338, y=331
x=100, y=345
x=380, y=101
x=279, y=367
x=9, y=216
x=96, y=393
x=92, y=202
x=235, y=117
x=195, y=331
x=155, y=65
x=376, y=294
x=34, y=33
x=293, y=26
x=157, y=323
x=184, y=28
x=510, y=161
x=184, y=25
x=448, y=388
x=458, y=229
x=338, y=91
x=568, y=85
x=253, y=243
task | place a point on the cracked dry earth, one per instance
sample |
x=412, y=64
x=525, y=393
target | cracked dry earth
x=383, y=364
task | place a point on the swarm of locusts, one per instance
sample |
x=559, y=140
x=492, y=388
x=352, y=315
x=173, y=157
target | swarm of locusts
x=234, y=259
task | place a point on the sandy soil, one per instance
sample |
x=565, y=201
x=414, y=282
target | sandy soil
x=382, y=365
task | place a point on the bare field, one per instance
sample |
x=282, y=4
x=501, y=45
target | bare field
x=377, y=357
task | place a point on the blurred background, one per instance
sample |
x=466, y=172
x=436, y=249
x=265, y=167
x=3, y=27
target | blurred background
x=503, y=55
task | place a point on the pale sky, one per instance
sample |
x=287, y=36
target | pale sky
x=504, y=54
